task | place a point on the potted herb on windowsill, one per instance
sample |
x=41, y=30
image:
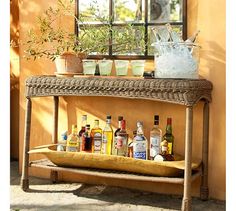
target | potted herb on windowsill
x=52, y=40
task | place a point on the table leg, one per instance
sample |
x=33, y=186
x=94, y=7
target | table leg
x=204, y=191
x=54, y=174
x=25, y=165
x=187, y=201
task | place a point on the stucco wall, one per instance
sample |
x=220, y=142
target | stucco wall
x=207, y=16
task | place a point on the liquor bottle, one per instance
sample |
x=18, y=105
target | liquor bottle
x=96, y=136
x=107, y=137
x=168, y=139
x=122, y=140
x=114, y=149
x=155, y=139
x=83, y=124
x=140, y=143
x=86, y=140
x=72, y=140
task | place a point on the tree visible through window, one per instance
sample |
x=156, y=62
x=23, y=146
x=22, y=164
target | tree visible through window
x=142, y=15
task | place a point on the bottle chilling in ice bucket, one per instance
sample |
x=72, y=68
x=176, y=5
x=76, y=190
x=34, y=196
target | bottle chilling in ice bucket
x=140, y=143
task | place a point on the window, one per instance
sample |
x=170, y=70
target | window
x=141, y=14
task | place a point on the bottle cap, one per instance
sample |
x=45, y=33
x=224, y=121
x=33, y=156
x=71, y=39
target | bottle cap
x=108, y=116
x=120, y=118
x=96, y=121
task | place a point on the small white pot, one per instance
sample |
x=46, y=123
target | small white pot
x=89, y=66
x=137, y=67
x=121, y=67
x=105, y=67
x=69, y=63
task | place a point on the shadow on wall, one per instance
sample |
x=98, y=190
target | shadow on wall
x=214, y=58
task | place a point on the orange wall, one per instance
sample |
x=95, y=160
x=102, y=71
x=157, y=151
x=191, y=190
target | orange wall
x=207, y=16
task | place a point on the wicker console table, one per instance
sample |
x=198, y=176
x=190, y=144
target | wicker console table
x=179, y=91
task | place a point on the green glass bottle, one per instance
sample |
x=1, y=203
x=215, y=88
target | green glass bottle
x=169, y=138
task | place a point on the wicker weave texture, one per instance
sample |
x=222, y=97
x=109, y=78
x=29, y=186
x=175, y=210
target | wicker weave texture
x=181, y=91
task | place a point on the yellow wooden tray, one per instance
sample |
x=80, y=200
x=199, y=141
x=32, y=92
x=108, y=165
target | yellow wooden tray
x=113, y=162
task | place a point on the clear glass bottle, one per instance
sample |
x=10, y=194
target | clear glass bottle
x=107, y=137
x=155, y=139
x=82, y=130
x=140, y=143
x=114, y=149
x=122, y=140
x=96, y=136
x=72, y=140
x=86, y=140
x=168, y=139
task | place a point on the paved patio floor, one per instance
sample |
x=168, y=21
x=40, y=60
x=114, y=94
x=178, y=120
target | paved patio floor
x=75, y=196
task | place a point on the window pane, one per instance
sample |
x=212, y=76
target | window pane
x=128, y=10
x=128, y=40
x=94, y=40
x=165, y=10
x=94, y=10
x=151, y=37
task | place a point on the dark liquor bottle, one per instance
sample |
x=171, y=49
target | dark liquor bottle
x=168, y=139
x=83, y=124
x=122, y=140
x=86, y=140
x=114, y=149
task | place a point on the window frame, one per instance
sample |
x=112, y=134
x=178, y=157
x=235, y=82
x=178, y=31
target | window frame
x=146, y=24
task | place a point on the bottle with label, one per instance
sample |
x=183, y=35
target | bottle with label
x=168, y=139
x=83, y=124
x=122, y=140
x=114, y=149
x=96, y=136
x=86, y=140
x=140, y=143
x=155, y=139
x=72, y=140
x=107, y=137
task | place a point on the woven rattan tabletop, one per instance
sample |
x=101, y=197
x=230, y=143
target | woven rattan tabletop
x=181, y=91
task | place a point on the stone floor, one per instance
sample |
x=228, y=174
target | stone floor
x=74, y=196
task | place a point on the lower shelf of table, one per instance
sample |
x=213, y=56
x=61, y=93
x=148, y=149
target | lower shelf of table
x=45, y=163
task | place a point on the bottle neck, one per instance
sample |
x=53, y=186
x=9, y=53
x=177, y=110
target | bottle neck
x=96, y=124
x=119, y=124
x=123, y=125
x=74, y=131
x=84, y=122
x=156, y=123
x=140, y=130
x=108, y=122
x=169, y=129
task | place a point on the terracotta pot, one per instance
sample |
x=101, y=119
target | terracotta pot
x=70, y=63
